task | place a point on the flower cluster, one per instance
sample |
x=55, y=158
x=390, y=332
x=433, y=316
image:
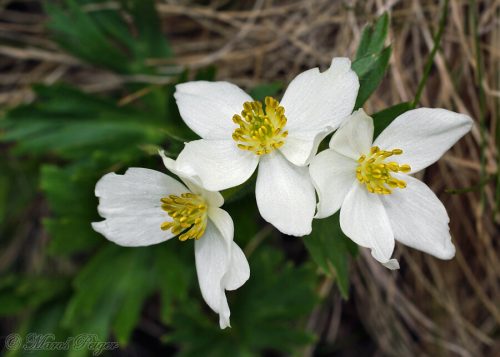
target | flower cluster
x=368, y=179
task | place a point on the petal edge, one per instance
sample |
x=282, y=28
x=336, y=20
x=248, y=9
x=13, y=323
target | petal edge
x=208, y=107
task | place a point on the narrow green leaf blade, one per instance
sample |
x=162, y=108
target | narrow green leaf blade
x=372, y=59
x=373, y=37
x=370, y=70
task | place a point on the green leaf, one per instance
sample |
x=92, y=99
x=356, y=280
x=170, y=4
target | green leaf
x=4, y=190
x=372, y=59
x=80, y=126
x=111, y=289
x=382, y=119
x=19, y=293
x=373, y=37
x=102, y=289
x=175, y=127
x=330, y=248
x=206, y=74
x=245, y=214
x=370, y=70
x=70, y=194
x=18, y=188
x=150, y=41
x=265, y=313
x=261, y=91
x=241, y=191
x=103, y=37
x=174, y=272
x=43, y=322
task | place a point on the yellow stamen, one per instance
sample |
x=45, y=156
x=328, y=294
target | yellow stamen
x=189, y=215
x=260, y=131
x=376, y=174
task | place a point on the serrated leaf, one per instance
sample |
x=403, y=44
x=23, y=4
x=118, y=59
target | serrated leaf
x=101, y=291
x=331, y=249
x=70, y=194
x=111, y=289
x=70, y=235
x=79, y=125
x=79, y=35
x=264, y=313
x=103, y=37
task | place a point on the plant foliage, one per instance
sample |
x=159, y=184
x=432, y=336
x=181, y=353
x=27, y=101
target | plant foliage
x=67, y=139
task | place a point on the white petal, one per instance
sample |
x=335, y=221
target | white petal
x=223, y=222
x=392, y=264
x=208, y=107
x=192, y=181
x=213, y=198
x=238, y=271
x=364, y=220
x=131, y=206
x=332, y=175
x=300, y=147
x=212, y=257
x=189, y=177
x=419, y=219
x=424, y=135
x=355, y=136
x=285, y=195
x=219, y=164
x=315, y=101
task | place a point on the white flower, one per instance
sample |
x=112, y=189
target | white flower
x=379, y=202
x=238, y=134
x=145, y=207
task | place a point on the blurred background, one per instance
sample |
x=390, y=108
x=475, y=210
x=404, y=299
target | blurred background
x=86, y=88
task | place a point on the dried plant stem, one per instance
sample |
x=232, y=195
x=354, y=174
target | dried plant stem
x=482, y=99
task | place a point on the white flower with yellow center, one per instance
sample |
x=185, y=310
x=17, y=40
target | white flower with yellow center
x=238, y=134
x=369, y=181
x=144, y=207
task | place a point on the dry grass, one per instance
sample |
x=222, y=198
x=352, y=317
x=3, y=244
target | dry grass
x=429, y=307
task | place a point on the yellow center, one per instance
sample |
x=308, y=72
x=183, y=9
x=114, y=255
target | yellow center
x=376, y=173
x=260, y=131
x=187, y=211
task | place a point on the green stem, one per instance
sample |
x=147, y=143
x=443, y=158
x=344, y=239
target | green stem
x=430, y=59
x=474, y=188
x=482, y=99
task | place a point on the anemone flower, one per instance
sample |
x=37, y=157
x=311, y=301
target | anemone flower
x=370, y=182
x=144, y=207
x=238, y=134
